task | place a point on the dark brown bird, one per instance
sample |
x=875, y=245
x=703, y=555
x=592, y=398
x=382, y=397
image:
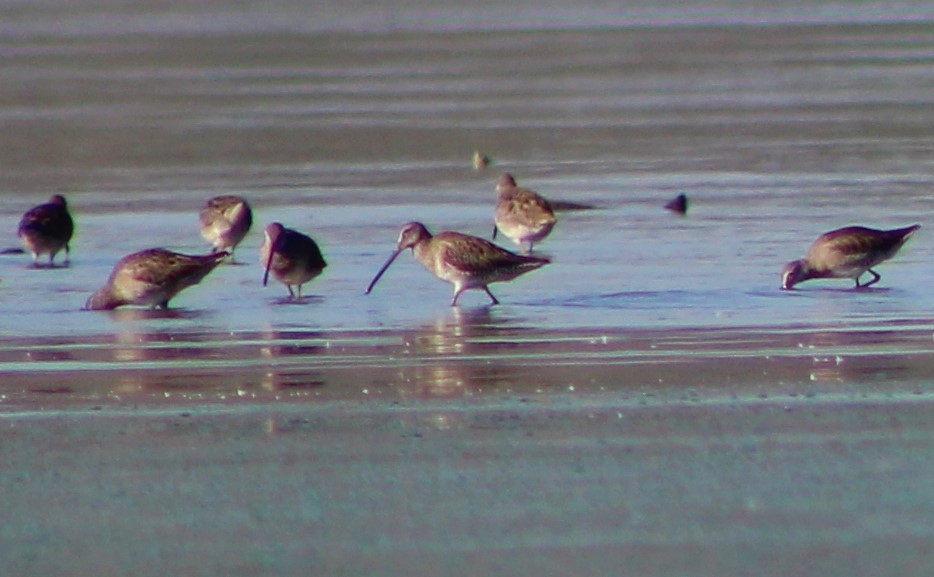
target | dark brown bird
x=521, y=214
x=292, y=257
x=151, y=278
x=846, y=253
x=47, y=229
x=224, y=221
x=467, y=262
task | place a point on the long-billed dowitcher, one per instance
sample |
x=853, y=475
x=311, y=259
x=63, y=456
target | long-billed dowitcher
x=846, y=253
x=225, y=220
x=292, y=257
x=467, y=262
x=521, y=214
x=47, y=228
x=152, y=277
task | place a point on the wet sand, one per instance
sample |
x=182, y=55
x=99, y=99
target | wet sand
x=649, y=404
x=572, y=484
x=487, y=451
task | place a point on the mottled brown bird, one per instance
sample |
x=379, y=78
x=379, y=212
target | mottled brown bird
x=224, y=221
x=521, y=214
x=47, y=229
x=151, y=278
x=467, y=262
x=292, y=257
x=846, y=253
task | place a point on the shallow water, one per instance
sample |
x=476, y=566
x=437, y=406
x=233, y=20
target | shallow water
x=778, y=126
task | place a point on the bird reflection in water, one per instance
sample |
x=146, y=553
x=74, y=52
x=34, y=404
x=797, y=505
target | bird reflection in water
x=290, y=345
x=445, y=365
x=168, y=362
x=838, y=356
x=446, y=351
x=451, y=333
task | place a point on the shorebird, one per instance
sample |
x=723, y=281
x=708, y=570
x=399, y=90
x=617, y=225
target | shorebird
x=225, y=220
x=47, y=228
x=521, y=214
x=292, y=257
x=467, y=262
x=152, y=277
x=846, y=253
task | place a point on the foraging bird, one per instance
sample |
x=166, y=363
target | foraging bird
x=846, y=253
x=224, y=221
x=521, y=214
x=292, y=257
x=467, y=262
x=47, y=228
x=678, y=204
x=152, y=277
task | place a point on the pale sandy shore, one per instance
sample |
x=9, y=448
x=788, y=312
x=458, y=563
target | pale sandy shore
x=633, y=454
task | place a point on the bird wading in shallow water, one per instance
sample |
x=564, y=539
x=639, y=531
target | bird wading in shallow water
x=292, y=257
x=151, y=278
x=47, y=229
x=224, y=221
x=521, y=214
x=467, y=262
x=846, y=253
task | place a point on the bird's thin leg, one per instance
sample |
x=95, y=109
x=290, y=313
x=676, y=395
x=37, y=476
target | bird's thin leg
x=875, y=278
x=495, y=230
x=492, y=298
x=291, y=292
x=458, y=289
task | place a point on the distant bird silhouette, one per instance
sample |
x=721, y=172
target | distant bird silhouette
x=521, y=214
x=846, y=253
x=47, y=229
x=224, y=221
x=292, y=257
x=480, y=160
x=151, y=278
x=678, y=204
x=467, y=262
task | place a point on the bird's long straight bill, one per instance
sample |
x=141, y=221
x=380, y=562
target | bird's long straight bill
x=272, y=255
x=382, y=269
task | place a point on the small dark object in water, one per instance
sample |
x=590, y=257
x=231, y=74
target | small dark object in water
x=480, y=160
x=679, y=204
